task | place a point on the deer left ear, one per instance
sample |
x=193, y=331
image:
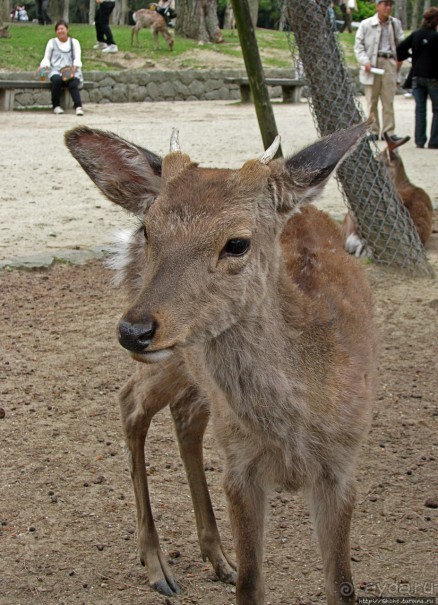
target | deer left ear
x=128, y=175
x=308, y=171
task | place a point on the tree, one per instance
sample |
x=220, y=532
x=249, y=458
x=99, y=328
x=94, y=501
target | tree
x=401, y=12
x=254, y=10
x=121, y=13
x=91, y=12
x=5, y=11
x=59, y=9
x=229, y=16
x=382, y=218
x=197, y=19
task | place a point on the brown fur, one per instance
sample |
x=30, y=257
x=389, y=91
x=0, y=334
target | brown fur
x=155, y=22
x=4, y=32
x=275, y=342
x=416, y=200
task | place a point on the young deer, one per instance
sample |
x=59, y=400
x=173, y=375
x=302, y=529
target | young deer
x=4, y=32
x=415, y=199
x=243, y=304
x=156, y=23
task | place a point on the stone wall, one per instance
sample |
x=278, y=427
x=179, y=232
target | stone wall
x=154, y=86
x=147, y=86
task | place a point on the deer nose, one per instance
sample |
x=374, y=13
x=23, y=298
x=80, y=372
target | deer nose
x=136, y=337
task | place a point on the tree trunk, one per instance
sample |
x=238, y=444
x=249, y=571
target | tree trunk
x=55, y=10
x=256, y=77
x=254, y=11
x=382, y=219
x=414, y=17
x=197, y=19
x=5, y=11
x=66, y=11
x=91, y=11
x=401, y=12
x=120, y=13
x=59, y=10
x=229, y=22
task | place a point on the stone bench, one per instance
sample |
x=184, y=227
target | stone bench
x=9, y=87
x=291, y=89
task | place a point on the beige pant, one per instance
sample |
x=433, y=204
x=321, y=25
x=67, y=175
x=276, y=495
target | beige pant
x=383, y=88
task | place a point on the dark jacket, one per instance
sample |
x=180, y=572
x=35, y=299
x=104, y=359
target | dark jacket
x=422, y=46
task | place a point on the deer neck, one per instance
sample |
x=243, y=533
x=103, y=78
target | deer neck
x=256, y=363
x=400, y=177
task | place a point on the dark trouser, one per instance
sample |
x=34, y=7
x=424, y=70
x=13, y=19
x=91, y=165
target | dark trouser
x=348, y=18
x=421, y=89
x=42, y=10
x=101, y=22
x=73, y=87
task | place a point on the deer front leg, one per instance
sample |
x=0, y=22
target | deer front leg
x=191, y=415
x=247, y=502
x=332, y=508
x=140, y=400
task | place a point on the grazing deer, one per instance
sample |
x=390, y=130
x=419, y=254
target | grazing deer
x=4, y=32
x=416, y=200
x=156, y=23
x=243, y=305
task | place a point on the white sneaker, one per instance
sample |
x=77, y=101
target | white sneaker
x=112, y=48
x=100, y=45
x=79, y=111
x=58, y=110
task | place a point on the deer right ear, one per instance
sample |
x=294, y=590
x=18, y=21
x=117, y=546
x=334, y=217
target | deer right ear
x=310, y=168
x=127, y=174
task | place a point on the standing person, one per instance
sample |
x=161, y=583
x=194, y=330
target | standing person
x=375, y=46
x=105, y=40
x=42, y=10
x=422, y=46
x=164, y=7
x=347, y=7
x=62, y=52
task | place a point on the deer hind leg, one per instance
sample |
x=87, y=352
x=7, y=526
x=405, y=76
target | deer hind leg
x=191, y=415
x=331, y=508
x=134, y=31
x=140, y=399
x=168, y=39
x=155, y=36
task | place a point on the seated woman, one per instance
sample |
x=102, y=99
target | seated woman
x=62, y=52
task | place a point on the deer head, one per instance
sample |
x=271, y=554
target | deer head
x=206, y=251
x=392, y=159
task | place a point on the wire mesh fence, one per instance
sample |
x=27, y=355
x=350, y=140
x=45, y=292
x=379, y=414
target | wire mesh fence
x=381, y=217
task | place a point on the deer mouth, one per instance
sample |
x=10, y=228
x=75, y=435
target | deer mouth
x=153, y=356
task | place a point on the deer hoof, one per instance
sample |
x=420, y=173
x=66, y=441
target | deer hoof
x=166, y=586
x=228, y=577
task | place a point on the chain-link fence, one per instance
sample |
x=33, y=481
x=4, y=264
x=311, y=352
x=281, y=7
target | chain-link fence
x=382, y=219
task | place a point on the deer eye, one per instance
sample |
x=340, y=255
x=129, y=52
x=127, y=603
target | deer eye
x=235, y=247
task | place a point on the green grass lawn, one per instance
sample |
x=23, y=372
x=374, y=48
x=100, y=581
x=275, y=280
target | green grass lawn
x=25, y=49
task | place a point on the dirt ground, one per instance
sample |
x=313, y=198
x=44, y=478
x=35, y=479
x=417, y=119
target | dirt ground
x=67, y=517
x=48, y=203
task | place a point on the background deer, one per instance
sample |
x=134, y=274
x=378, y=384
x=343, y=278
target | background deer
x=243, y=305
x=156, y=23
x=416, y=200
x=4, y=32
